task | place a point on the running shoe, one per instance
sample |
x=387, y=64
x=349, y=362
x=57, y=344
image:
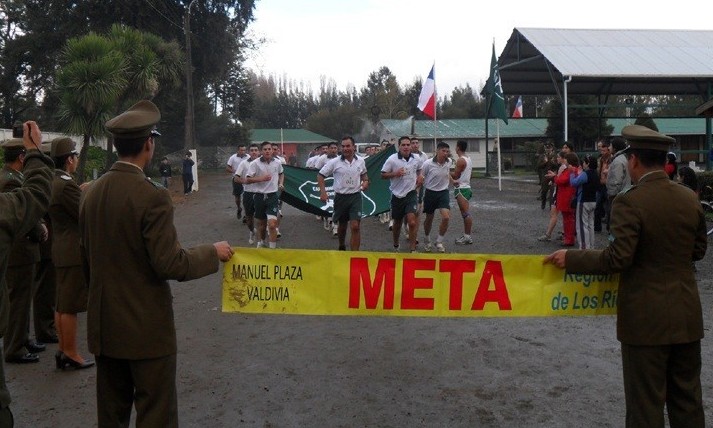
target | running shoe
x=464, y=240
x=279, y=235
x=334, y=230
x=544, y=238
x=251, y=239
x=440, y=248
x=391, y=224
x=428, y=248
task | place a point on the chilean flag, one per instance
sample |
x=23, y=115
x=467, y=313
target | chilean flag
x=427, y=99
x=517, y=113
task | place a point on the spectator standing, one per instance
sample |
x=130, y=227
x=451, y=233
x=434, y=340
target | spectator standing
x=657, y=230
x=188, y=173
x=164, y=169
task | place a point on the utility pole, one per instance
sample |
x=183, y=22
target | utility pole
x=189, y=135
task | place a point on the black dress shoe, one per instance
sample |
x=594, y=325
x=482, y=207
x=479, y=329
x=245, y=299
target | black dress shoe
x=68, y=363
x=24, y=359
x=34, y=346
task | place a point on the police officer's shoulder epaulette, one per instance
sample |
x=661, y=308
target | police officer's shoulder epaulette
x=156, y=184
x=628, y=189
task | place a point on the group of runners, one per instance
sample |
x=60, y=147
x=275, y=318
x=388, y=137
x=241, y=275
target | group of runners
x=417, y=183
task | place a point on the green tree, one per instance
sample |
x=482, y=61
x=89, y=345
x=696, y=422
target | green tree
x=584, y=124
x=463, y=103
x=90, y=81
x=149, y=65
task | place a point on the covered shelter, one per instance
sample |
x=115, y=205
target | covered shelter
x=560, y=62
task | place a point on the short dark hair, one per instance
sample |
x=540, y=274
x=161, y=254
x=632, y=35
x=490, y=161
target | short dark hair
x=688, y=177
x=618, y=144
x=265, y=143
x=649, y=158
x=591, y=161
x=61, y=162
x=333, y=143
x=404, y=138
x=11, y=154
x=568, y=144
x=442, y=145
x=462, y=145
x=130, y=146
x=348, y=137
x=254, y=145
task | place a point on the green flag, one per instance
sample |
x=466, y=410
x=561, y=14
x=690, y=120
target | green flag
x=495, y=89
x=302, y=189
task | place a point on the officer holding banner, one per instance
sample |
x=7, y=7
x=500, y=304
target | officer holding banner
x=659, y=322
x=350, y=180
x=130, y=251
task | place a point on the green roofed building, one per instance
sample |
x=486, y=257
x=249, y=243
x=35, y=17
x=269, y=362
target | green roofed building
x=295, y=144
x=688, y=132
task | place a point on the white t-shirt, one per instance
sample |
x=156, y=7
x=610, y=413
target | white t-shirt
x=463, y=181
x=259, y=168
x=242, y=172
x=347, y=175
x=436, y=177
x=322, y=160
x=235, y=161
x=400, y=186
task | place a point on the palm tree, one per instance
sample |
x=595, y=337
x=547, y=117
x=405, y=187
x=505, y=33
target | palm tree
x=89, y=82
x=150, y=64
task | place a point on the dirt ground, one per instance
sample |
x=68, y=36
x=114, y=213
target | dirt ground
x=321, y=371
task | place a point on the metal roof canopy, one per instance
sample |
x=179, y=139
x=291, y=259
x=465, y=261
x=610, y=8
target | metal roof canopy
x=538, y=61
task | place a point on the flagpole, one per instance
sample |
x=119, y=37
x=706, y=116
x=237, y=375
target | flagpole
x=435, y=110
x=497, y=144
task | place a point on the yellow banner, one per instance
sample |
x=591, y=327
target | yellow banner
x=310, y=282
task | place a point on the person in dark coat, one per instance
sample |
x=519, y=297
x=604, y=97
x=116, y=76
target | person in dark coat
x=659, y=316
x=130, y=250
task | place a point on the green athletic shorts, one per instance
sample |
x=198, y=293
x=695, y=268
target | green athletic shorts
x=434, y=200
x=249, y=203
x=265, y=205
x=347, y=207
x=466, y=192
x=402, y=206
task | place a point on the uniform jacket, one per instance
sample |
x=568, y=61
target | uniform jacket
x=658, y=230
x=26, y=249
x=20, y=209
x=64, y=215
x=130, y=251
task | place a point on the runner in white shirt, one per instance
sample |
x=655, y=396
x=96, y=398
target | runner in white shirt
x=248, y=194
x=404, y=171
x=232, y=166
x=267, y=175
x=461, y=175
x=331, y=153
x=350, y=180
x=436, y=178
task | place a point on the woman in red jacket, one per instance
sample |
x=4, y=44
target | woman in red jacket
x=565, y=194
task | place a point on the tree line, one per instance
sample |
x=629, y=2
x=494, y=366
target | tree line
x=72, y=65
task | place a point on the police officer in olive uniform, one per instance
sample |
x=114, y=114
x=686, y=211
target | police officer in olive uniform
x=130, y=248
x=20, y=209
x=71, y=284
x=43, y=296
x=657, y=230
x=21, y=265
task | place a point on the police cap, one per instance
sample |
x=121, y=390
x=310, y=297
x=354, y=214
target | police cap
x=138, y=121
x=13, y=143
x=63, y=146
x=641, y=137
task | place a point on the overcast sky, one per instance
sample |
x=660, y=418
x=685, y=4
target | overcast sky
x=345, y=40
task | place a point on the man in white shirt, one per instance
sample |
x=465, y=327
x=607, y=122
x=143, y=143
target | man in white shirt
x=232, y=166
x=404, y=171
x=248, y=193
x=350, y=180
x=267, y=175
x=462, y=192
x=436, y=178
